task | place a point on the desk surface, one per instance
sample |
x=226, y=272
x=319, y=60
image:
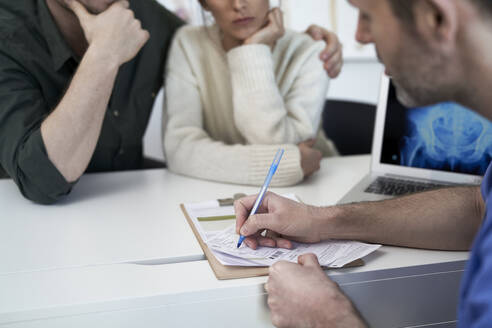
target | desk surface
x=66, y=261
x=120, y=287
x=132, y=216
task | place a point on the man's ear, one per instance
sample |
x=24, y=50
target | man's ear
x=436, y=20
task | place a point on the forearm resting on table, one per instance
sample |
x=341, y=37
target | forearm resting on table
x=71, y=131
x=445, y=219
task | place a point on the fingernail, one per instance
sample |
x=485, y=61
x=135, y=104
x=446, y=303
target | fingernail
x=243, y=231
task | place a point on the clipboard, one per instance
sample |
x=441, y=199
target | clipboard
x=225, y=272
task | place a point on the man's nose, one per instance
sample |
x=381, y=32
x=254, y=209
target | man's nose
x=363, y=34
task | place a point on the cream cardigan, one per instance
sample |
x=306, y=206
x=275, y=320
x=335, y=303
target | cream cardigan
x=226, y=114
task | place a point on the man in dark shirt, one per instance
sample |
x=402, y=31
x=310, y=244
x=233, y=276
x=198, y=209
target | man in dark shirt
x=77, y=95
x=77, y=85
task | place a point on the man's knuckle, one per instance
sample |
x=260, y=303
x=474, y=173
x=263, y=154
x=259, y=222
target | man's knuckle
x=310, y=257
x=253, y=221
x=127, y=14
x=281, y=266
x=275, y=218
x=146, y=36
x=276, y=268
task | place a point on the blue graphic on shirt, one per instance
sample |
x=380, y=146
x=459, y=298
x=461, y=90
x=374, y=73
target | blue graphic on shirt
x=447, y=137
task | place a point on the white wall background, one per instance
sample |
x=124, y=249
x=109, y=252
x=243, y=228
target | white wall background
x=359, y=80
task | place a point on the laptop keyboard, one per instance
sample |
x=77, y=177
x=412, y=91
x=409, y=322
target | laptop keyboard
x=398, y=187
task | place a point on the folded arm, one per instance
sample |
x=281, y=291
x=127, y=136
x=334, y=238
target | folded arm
x=264, y=112
x=191, y=151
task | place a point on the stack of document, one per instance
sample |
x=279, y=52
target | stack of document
x=216, y=226
x=331, y=253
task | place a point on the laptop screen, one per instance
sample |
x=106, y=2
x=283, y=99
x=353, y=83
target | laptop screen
x=445, y=137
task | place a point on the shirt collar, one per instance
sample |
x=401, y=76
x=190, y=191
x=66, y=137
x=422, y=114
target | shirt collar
x=59, y=49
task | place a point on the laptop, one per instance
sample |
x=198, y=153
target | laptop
x=422, y=149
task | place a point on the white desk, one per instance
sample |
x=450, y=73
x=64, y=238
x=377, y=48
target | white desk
x=139, y=212
x=131, y=216
x=188, y=294
x=108, y=218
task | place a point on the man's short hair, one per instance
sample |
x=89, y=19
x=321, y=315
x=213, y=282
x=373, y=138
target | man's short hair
x=404, y=8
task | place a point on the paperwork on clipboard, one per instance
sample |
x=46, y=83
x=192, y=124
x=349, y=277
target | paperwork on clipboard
x=216, y=226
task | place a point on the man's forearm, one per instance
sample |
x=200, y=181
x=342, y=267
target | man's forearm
x=446, y=219
x=71, y=131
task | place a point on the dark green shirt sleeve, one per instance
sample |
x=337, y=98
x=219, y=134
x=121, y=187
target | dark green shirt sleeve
x=22, y=151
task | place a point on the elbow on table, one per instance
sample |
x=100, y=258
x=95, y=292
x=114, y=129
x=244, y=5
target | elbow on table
x=38, y=197
x=170, y=150
x=39, y=194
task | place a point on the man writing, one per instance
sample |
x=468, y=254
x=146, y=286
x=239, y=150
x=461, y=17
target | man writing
x=435, y=50
x=77, y=84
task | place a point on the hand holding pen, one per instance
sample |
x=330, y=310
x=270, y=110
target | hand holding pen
x=268, y=179
x=284, y=219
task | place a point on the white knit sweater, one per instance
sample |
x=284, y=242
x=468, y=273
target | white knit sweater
x=226, y=114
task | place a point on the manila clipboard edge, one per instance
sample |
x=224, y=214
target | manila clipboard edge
x=224, y=272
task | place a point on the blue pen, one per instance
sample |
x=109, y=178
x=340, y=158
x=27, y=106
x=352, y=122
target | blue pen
x=259, y=199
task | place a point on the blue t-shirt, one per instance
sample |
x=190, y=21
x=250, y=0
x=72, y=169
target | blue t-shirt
x=475, y=309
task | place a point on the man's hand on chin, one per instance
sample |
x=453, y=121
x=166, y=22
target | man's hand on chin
x=115, y=34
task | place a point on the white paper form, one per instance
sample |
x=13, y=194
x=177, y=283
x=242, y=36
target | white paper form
x=330, y=253
x=221, y=238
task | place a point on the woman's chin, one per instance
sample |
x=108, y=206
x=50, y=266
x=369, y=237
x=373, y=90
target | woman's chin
x=244, y=33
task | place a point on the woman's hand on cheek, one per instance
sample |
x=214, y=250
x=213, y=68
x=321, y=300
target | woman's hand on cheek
x=272, y=31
